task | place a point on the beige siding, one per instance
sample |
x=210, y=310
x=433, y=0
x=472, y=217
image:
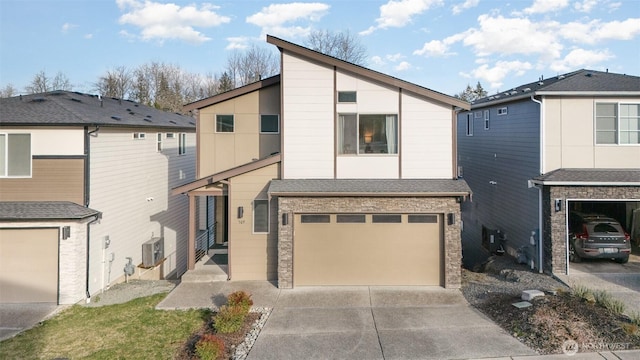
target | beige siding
x=308, y=119
x=569, y=136
x=58, y=141
x=51, y=180
x=130, y=185
x=252, y=256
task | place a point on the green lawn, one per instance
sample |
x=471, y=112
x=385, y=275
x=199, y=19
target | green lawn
x=134, y=330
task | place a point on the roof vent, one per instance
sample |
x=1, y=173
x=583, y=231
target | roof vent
x=136, y=105
x=497, y=96
x=588, y=74
x=540, y=83
x=191, y=123
x=129, y=110
x=513, y=92
x=76, y=100
x=147, y=120
x=38, y=99
x=149, y=116
x=561, y=77
x=116, y=118
x=173, y=122
x=526, y=89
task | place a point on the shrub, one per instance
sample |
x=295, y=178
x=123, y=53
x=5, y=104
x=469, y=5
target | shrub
x=635, y=317
x=241, y=299
x=209, y=347
x=607, y=301
x=229, y=319
x=581, y=291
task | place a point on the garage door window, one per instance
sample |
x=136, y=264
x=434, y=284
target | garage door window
x=15, y=155
x=315, y=219
x=351, y=218
x=423, y=219
x=386, y=218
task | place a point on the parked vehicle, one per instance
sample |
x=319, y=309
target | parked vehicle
x=597, y=236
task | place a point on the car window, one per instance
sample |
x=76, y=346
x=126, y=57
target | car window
x=604, y=228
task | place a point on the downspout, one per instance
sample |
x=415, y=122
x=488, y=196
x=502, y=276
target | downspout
x=88, y=294
x=540, y=213
x=87, y=173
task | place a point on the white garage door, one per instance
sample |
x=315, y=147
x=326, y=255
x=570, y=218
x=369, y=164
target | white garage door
x=367, y=249
x=28, y=265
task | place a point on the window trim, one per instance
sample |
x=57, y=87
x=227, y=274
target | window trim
x=345, y=92
x=6, y=157
x=215, y=126
x=270, y=132
x=358, y=152
x=503, y=111
x=182, y=144
x=253, y=217
x=486, y=120
x=139, y=136
x=170, y=136
x=159, y=142
x=618, y=131
x=469, y=128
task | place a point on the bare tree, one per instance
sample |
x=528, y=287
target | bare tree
x=8, y=91
x=342, y=45
x=251, y=65
x=115, y=83
x=42, y=83
x=61, y=82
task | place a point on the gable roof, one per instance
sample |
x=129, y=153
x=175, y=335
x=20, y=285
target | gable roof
x=590, y=177
x=365, y=72
x=218, y=98
x=66, y=108
x=369, y=187
x=44, y=210
x=226, y=174
x=578, y=83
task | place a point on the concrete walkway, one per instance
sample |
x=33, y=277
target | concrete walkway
x=16, y=318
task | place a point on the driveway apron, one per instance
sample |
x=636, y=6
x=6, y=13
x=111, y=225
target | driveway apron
x=379, y=323
x=15, y=318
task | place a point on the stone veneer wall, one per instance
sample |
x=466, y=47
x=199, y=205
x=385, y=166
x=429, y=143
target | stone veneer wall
x=438, y=205
x=555, y=236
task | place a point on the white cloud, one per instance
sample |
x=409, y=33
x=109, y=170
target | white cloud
x=68, y=26
x=88, y=36
x=580, y=58
x=596, y=31
x=545, y=6
x=614, y=6
x=395, y=57
x=468, y=4
x=433, y=48
x=274, y=18
x=495, y=75
x=585, y=5
x=160, y=21
x=402, y=66
x=377, y=61
x=237, y=43
x=399, y=13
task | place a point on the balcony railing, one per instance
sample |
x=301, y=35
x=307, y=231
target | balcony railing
x=205, y=241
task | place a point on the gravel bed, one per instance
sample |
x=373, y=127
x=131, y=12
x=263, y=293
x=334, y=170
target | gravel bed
x=502, y=274
x=127, y=291
x=242, y=350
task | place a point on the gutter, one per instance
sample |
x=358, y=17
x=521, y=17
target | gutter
x=540, y=200
x=584, y=183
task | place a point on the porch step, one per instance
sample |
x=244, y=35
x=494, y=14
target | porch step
x=205, y=274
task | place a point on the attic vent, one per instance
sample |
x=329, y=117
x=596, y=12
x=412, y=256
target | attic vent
x=116, y=118
x=76, y=100
x=173, y=122
x=38, y=99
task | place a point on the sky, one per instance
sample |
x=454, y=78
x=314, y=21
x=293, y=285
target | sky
x=438, y=44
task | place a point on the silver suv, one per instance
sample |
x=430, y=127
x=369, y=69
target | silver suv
x=597, y=237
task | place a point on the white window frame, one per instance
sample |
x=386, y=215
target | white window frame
x=502, y=111
x=159, y=142
x=469, y=123
x=182, y=143
x=358, y=147
x=253, y=217
x=618, y=128
x=139, y=136
x=5, y=154
x=233, y=118
x=270, y=132
x=486, y=119
x=170, y=136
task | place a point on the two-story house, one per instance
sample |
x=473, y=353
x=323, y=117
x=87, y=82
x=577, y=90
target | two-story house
x=537, y=152
x=330, y=174
x=85, y=190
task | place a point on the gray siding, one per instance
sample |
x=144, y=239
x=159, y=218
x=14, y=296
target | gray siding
x=508, y=154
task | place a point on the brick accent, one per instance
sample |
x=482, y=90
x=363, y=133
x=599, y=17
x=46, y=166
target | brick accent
x=440, y=205
x=555, y=234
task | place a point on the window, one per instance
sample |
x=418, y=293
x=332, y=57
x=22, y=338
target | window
x=469, y=125
x=260, y=216
x=224, y=123
x=617, y=123
x=269, y=124
x=477, y=115
x=182, y=144
x=315, y=219
x=347, y=96
x=386, y=218
x=15, y=155
x=367, y=134
x=170, y=135
x=159, y=143
x=423, y=219
x=139, y=136
x=486, y=119
x=502, y=111
x=350, y=218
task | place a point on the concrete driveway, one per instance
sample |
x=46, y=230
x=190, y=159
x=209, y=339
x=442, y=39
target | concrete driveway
x=15, y=318
x=379, y=323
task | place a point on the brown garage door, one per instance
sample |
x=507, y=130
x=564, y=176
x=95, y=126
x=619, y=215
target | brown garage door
x=367, y=249
x=28, y=265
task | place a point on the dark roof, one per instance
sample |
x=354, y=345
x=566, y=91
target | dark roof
x=365, y=72
x=261, y=84
x=591, y=177
x=369, y=187
x=66, y=108
x=44, y=210
x=587, y=82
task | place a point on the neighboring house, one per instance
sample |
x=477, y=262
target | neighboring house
x=534, y=153
x=84, y=182
x=330, y=174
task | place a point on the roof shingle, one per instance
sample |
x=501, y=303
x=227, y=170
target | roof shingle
x=44, y=210
x=369, y=187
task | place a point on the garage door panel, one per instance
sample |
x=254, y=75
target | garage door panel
x=28, y=265
x=367, y=254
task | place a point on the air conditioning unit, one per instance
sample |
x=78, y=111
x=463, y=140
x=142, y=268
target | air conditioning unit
x=152, y=252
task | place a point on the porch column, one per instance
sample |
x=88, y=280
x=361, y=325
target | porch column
x=191, y=245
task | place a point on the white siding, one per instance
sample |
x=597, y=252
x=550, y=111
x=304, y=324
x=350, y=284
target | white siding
x=131, y=184
x=368, y=167
x=427, y=136
x=307, y=119
x=54, y=141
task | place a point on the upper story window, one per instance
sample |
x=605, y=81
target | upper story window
x=15, y=155
x=224, y=123
x=502, y=111
x=347, y=96
x=139, y=136
x=269, y=124
x=170, y=135
x=159, y=142
x=469, y=131
x=182, y=143
x=367, y=134
x=486, y=119
x=617, y=123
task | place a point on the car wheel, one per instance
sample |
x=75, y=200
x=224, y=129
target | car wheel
x=573, y=255
x=623, y=260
